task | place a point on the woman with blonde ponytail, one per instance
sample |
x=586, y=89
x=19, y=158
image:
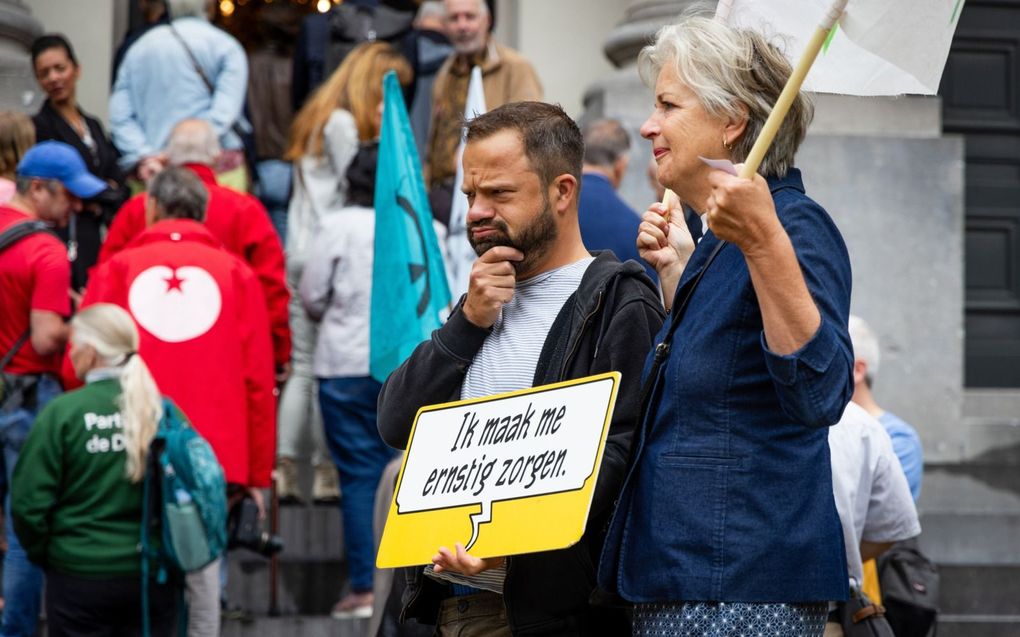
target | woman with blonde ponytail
x=76, y=496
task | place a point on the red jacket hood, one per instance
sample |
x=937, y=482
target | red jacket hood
x=176, y=230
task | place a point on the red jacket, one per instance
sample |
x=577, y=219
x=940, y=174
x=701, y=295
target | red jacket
x=241, y=222
x=204, y=335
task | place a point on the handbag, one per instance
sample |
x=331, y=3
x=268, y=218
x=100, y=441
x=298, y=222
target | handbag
x=860, y=617
x=910, y=589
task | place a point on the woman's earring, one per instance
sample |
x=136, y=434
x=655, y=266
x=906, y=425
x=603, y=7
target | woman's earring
x=726, y=144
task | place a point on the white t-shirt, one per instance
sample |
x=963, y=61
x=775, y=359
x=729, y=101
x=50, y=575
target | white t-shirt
x=870, y=488
x=510, y=353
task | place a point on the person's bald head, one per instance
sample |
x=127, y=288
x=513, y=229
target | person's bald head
x=193, y=141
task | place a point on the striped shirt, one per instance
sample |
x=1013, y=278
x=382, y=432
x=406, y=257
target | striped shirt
x=508, y=359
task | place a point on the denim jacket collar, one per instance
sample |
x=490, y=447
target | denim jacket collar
x=708, y=242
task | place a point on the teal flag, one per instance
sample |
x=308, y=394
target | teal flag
x=409, y=288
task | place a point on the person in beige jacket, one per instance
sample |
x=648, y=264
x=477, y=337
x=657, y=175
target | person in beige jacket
x=506, y=77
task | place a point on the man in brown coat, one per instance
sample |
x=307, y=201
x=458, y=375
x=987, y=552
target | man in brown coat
x=506, y=77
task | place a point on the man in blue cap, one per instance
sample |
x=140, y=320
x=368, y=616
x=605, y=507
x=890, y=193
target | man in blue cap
x=35, y=279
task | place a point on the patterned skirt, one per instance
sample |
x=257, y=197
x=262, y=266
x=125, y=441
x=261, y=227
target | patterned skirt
x=725, y=619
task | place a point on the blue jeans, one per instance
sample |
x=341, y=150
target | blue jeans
x=348, y=416
x=22, y=582
x=274, y=191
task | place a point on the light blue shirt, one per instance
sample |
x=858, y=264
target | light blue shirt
x=157, y=86
x=907, y=445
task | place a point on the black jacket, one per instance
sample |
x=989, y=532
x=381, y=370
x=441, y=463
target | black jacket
x=101, y=162
x=608, y=324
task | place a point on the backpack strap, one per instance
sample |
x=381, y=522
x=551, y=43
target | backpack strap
x=144, y=543
x=18, y=344
x=8, y=238
x=18, y=231
x=150, y=504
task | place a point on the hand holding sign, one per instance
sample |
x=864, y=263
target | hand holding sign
x=462, y=562
x=536, y=453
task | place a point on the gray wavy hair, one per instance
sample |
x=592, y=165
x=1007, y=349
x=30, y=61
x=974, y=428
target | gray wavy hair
x=731, y=70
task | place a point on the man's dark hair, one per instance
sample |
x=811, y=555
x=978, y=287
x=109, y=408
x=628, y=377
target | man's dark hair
x=179, y=194
x=552, y=142
x=23, y=184
x=605, y=141
x=49, y=41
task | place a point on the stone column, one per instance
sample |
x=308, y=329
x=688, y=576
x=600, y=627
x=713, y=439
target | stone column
x=623, y=96
x=642, y=20
x=894, y=185
x=18, y=89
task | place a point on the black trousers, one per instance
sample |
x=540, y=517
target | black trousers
x=90, y=607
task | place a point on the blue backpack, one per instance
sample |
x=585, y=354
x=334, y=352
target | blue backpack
x=185, y=484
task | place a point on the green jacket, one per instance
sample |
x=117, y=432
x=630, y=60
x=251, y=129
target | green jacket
x=74, y=509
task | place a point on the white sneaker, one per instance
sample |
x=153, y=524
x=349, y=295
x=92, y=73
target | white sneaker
x=354, y=606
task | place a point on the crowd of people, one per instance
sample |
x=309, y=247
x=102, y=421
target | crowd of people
x=216, y=250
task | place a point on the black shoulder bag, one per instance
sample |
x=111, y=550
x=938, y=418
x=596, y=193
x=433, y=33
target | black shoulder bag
x=860, y=617
x=910, y=589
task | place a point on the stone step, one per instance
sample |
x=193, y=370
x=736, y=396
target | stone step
x=311, y=574
x=305, y=586
x=311, y=532
x=978, y=626
x=971, y=488
x=979, y=590
x=296, y=626
x=971, y=538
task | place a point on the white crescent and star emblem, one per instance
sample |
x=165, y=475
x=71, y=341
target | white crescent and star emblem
x=175, y=305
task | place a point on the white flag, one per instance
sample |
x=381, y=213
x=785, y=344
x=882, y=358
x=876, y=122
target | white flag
x=461, y=254
x=880, y=47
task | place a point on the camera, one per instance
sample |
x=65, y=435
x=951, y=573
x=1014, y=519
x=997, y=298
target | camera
x=245, y=530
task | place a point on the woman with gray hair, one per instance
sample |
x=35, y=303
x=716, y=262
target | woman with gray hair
x=76, y=493
x=726, y=523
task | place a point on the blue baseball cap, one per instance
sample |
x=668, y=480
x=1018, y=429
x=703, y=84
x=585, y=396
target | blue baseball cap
x=60, y=161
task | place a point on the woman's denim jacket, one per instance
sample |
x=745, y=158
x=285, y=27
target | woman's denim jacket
x=729, y=494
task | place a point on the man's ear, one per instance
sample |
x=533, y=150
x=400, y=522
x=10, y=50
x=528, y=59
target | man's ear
x=860, y=371
x=564, y=191
x=36, y=186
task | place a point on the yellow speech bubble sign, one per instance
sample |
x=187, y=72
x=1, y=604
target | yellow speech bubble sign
x=503, y=475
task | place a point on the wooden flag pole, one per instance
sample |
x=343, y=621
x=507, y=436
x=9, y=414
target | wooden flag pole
x=722, y=10
x=790, y=91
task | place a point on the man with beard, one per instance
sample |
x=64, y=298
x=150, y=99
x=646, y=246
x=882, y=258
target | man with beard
x=539, y=309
